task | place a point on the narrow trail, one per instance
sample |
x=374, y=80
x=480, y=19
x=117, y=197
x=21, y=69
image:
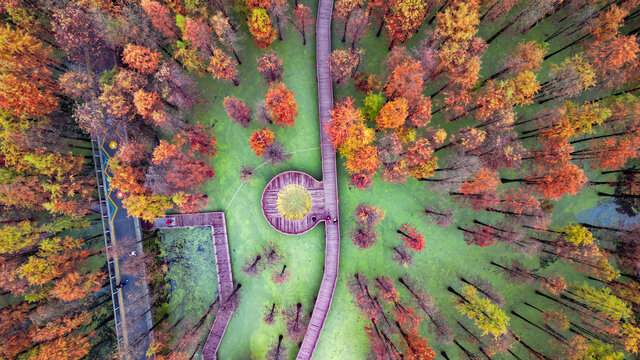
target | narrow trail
x=329, y=174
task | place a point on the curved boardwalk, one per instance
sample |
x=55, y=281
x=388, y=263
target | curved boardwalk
x=332, y=252
x=216, y=221
x=270, y=210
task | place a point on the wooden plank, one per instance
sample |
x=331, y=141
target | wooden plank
x=332, y=237
x=222, y=259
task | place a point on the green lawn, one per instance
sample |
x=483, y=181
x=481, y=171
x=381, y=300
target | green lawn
x=445, y=258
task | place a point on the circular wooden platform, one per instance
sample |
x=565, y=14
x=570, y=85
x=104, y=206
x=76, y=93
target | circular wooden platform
x=316, y=214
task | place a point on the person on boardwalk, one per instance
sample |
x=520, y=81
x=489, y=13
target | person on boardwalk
x=120, y=285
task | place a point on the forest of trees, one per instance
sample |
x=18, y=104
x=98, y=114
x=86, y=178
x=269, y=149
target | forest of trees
x=540, y=127
x=550, y=121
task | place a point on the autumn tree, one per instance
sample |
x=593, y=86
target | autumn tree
x=161, y=18
x=281, y=104
x=225, y=33
x=261, y=28
x=270, y=66
x=221, y=66
x=260, y=139
x=403, y=19
x=26, y=83
x=486, y=314
x=393, y=114
x=343, y=9
x=303, y=21
x=237, y=110
x=344, y=64
x=141, y=58
x=411, y=237
x=357, y=26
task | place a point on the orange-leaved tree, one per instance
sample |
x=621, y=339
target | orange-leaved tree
x=222, y=66
x=393, y=114
x=260, y=139
x=261, y=28
x=26, y=83
x=343, y=117
x=344, y=64
x=141, y=58
x=281, y=104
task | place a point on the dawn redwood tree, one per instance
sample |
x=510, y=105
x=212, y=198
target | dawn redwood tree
x=367, y=217
x=27, y=86
x=343, y=117
x=161, y=18
x=296, y=323
x=260, y=139
x=378, y=10
x=277, y=351
x=281, y=276
x=486, y=314
x=568, y=79
x=426, y=303
x=175, y=86
x=225, y=33
x=270, y=66
x=405, y=81
x=403, y=19
x=146, y=103
x=479, y=235
x=140, y=58
x=303, y=21
x=270, y=314
x=281, y=104
x=65, y=348
x=393, y=114
x=343, y=10
x=411, y=237
x=279, y=12
x=357, y=26
x=222, y=67
x=344, y=64
x=275, y=154
x=237, y=110
x=420, y=160
x=261, y=28
x=366, y=83
x=363, y=237
x=519, y=274
x=198, y=33
x=253, y=266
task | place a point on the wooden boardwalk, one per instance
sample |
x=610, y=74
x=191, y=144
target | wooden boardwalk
x=316, y=214
x=332, y=252
x=216, y=221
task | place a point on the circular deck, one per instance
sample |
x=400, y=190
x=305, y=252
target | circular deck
x=306, y=221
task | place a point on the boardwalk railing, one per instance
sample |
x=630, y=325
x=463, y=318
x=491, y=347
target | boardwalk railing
x=98, y=164
x=217, y=222
x=329, y=179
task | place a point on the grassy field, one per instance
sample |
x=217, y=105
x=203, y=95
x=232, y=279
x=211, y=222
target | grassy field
x=445, y=258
